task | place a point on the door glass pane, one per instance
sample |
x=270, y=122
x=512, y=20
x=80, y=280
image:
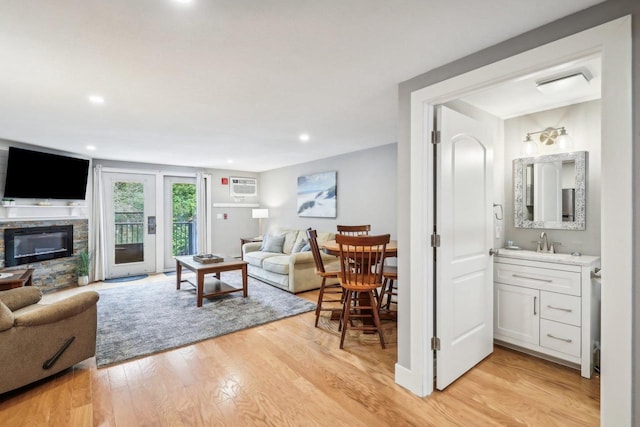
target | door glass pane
x=183, y=233
x=128, y=200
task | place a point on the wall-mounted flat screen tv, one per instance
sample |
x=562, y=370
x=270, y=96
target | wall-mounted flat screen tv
x=37, y=175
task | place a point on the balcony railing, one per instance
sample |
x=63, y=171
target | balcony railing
x=129, y=229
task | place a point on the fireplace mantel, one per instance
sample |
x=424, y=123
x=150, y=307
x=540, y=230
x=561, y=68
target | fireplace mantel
x=42, y=212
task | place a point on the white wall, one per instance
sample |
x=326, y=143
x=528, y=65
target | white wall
x=366, y=191
x=226, y=233
x=582, y=122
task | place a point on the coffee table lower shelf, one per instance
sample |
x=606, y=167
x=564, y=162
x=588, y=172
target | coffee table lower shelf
x=213, y=287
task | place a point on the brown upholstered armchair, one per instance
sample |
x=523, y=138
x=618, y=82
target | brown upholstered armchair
x=39, y=340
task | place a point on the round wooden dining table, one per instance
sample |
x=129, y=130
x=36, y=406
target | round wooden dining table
x=333, y=248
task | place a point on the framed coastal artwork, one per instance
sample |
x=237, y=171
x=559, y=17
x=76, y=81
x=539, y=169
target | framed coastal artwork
x=317, y=195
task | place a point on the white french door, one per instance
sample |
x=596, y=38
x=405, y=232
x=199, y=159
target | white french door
x=180, y=237
x=464, y=222
x=130, y=223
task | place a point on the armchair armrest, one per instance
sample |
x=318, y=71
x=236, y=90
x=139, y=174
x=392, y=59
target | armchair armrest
x=18, y=298
x=60, y=310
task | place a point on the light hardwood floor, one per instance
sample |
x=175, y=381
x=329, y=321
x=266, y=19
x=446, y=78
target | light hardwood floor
x=290, y=373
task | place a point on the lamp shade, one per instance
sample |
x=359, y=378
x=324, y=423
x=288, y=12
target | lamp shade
x=259, y=213
x=564, y=141
x=529, y=148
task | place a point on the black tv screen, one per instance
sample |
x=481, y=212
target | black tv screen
x=33, y=174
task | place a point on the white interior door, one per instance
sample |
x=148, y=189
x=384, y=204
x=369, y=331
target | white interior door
x=130, y=223
x=464, y=221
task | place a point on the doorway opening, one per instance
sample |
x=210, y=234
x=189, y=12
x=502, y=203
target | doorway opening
x=613, y=41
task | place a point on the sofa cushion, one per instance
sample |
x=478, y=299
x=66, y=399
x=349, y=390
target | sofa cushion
x=256, y=258
x=273, y=243
x=291, y=237
x=6, y=317
x=325, y=236
x=17, y=298
x=277, y=264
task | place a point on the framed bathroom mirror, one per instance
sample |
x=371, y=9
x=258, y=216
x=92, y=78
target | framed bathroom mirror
x=550, y=191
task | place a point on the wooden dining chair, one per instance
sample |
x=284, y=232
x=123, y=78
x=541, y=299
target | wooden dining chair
x=361, y=272
x=354, y=230
x=328, y=292
x=389, y=289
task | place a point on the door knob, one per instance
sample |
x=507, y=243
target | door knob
x=493, y=252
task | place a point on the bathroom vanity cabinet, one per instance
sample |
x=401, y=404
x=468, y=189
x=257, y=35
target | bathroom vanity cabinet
x=547, y=305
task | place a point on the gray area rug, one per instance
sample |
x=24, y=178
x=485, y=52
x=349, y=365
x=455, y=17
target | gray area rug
x=141, y=319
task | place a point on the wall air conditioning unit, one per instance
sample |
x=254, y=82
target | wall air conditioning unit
x=243, y=187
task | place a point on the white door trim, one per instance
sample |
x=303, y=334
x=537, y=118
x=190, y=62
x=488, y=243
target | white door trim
x=613, y=41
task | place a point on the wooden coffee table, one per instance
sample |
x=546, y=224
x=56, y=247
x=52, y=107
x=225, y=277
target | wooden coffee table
x=17, y=278
x=216, y=268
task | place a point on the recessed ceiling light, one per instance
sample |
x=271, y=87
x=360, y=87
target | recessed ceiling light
x=229, y=161
x=96, y=99
x=183, y=1
x=91, y=147
x=304, y=137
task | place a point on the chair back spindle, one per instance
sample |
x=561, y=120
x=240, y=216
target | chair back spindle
x=354, y=230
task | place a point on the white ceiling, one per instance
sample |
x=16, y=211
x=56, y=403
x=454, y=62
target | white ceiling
x=204, y=83
x=520, y=96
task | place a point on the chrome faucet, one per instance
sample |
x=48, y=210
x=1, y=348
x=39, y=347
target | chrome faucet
x=543, y=244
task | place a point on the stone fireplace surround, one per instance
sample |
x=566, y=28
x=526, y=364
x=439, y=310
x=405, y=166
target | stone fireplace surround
x=56, y=273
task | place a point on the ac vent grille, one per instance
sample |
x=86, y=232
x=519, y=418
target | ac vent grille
x=243, y=187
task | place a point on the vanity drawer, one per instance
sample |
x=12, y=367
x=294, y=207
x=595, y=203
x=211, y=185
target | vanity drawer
x=560, y=308
x=566, y=282
x=560, y=337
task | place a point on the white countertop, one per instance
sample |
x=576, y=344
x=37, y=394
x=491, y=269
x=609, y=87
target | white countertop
x=547, y=257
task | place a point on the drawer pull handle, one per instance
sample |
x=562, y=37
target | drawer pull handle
x=532, y=278
x=534, y=305
x=568, y=310
x=561, y=339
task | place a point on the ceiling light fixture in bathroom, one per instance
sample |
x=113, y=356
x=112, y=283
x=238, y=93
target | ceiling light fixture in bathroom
x=574, y=80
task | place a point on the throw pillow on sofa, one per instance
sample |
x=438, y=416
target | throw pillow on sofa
x=301, y=246
x=273, y=244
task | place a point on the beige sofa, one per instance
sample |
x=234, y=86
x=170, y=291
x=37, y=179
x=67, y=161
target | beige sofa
x=39, y=340
x=286, y=268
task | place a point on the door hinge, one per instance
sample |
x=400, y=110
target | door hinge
x=435, y=137
x=435, y=343
x=435, y=240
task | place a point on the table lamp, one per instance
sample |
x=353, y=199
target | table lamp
x=259, y=214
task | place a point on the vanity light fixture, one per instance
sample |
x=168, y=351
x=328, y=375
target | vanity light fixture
x=564, y=141
x=548, y=137
x=529, y=148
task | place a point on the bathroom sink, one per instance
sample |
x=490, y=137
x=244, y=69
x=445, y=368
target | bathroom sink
x=533, y=255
